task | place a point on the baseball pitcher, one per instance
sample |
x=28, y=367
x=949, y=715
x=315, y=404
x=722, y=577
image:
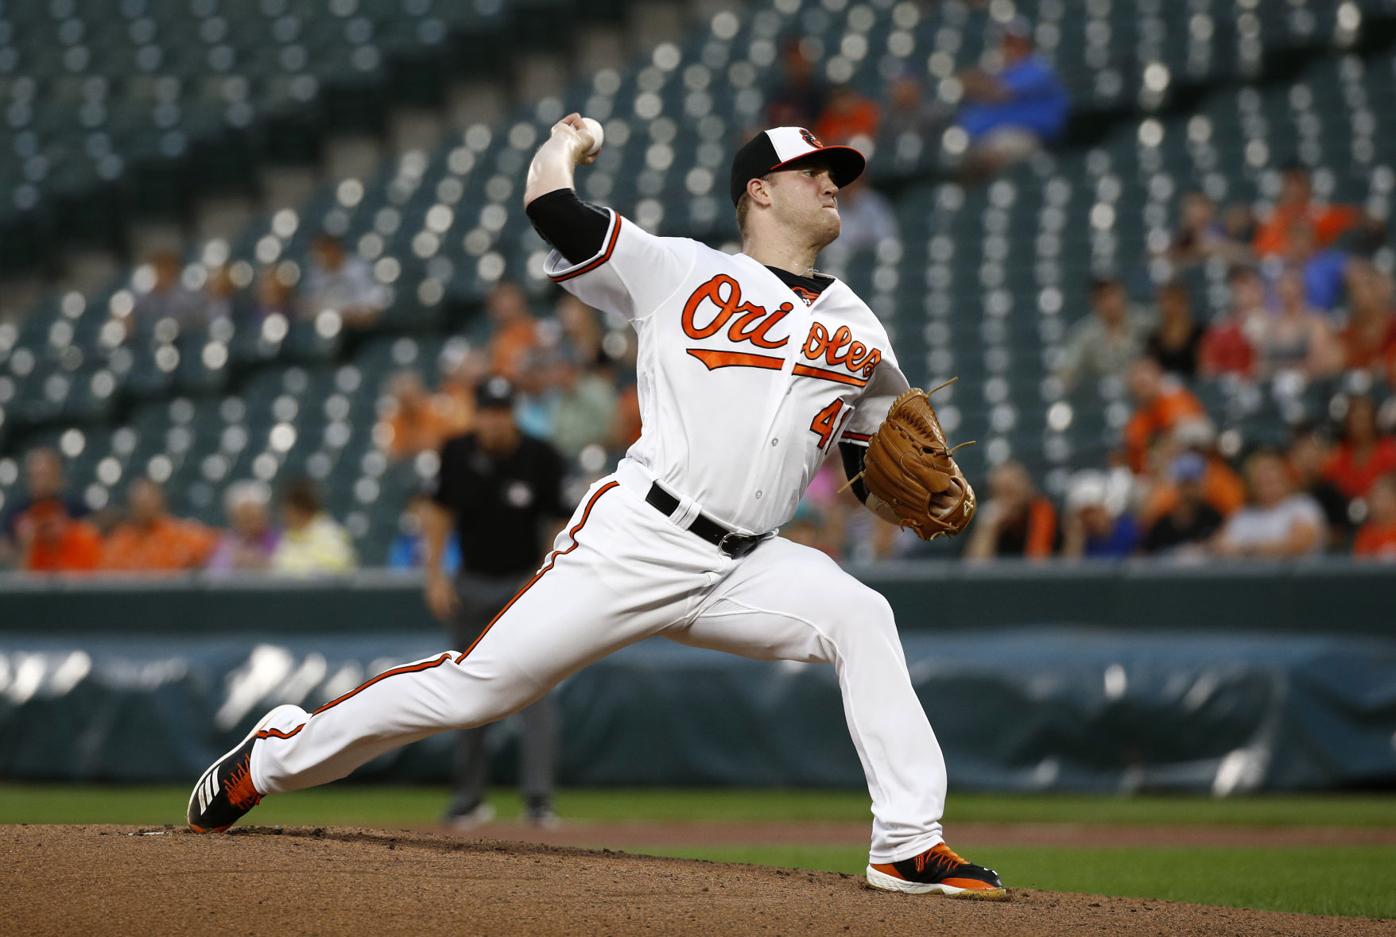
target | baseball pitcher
x=752, y=368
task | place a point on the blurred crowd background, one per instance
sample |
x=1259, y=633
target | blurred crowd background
x=1153, y=244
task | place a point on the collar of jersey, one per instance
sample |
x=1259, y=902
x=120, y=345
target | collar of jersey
x=799, y=303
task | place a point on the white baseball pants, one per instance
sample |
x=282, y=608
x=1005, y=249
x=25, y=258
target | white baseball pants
x=620, y=571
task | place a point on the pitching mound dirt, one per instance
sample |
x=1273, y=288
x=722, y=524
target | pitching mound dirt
x=95, y=880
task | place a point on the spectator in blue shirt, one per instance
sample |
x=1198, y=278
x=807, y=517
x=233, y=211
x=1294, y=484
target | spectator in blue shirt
x=1014, y=110
x=1324, y=268
x=408, y=549
x=1098, y=526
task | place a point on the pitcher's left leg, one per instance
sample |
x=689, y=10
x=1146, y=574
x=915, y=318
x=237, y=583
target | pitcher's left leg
x=789, y=602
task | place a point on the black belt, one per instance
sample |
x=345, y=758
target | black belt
x=730, y=542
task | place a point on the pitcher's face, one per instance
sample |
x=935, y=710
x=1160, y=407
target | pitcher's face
x=805, y=198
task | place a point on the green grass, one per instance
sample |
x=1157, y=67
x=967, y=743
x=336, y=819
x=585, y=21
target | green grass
x=1297, y=880
x=1276, y=879
x=349, y=804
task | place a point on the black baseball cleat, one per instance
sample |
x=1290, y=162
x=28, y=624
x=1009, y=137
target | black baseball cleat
x=225, y=792
x=938, y=871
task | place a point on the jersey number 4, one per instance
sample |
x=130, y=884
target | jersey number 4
x=826, y=422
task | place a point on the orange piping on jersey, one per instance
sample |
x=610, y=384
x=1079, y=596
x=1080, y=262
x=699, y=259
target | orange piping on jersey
x=605, y=256
x=278, y=734
x=396, y=671
x=825, y=375
x=572, y=534
x=736, y=359
x=850, y=436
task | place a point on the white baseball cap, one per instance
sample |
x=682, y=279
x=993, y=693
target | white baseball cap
x=781, y=148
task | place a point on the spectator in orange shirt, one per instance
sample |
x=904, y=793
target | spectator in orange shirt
x=419, y=421
x=848, y=115
x=1160, y=403
x=43, y=482
x=515, y=331
x=1016, y=520
x=1369, y=338
x=1363, y=454
x=1222, y=488
x=1377, y=537
x=150, y=540
x=1296, y=205
x=52, y=541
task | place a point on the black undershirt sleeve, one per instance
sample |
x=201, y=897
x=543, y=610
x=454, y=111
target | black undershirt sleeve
x=853, y=464
x=574, y=227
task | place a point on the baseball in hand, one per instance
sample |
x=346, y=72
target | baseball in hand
x=598, y=136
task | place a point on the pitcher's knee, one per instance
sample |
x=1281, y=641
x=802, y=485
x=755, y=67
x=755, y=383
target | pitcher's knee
x=861, y=617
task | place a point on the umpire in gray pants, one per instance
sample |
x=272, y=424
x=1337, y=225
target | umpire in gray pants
x=501, y=491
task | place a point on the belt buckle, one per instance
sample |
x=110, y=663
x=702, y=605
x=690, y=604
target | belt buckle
x=744, y=545
x=730, y=551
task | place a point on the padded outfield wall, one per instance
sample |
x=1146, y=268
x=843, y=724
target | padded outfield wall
x=1091, y=678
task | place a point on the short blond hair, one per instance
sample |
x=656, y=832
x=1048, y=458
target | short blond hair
x=743, y=209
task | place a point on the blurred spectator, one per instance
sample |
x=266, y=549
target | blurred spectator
x=1377, y=537
x=1276, y=522
x=150, y=540
x=1011, y=111
x=801, y=95
x=849, y=117
x=537, y=391
x=168, y=297
x=1322, y=269
x=1160, y=403
x=1240, y=224
x=43, y=485
x=806, y=527
x=1104, y=343
x=409, y=547
x=1191, y=521
x=910, y=124
x=276, y=294
x=1226, y=347
x=866, y=216
x=1097, y=526
x=221, y=293
x=461, y=374
x=312, y=542
x=1309, y=453
x=1015, y=521
x=1369, y=338
x=1201, y=235
x=1363, y=454
x=50, y=540
x=1295, y=337
x=418, y=421
x=584, y=410
x=581, y=330
x=1221, y=486
x=1295, y=206
x=1174, y=343
x=514, y=332
x=342, y=282
x=625, y=426
x=250, y=540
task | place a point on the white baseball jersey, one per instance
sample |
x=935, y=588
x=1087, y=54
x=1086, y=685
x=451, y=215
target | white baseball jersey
x=744, y=390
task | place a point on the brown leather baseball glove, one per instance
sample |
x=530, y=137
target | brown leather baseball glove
x=911, y=470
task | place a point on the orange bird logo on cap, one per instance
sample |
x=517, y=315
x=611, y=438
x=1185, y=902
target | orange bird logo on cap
x=811, y=139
